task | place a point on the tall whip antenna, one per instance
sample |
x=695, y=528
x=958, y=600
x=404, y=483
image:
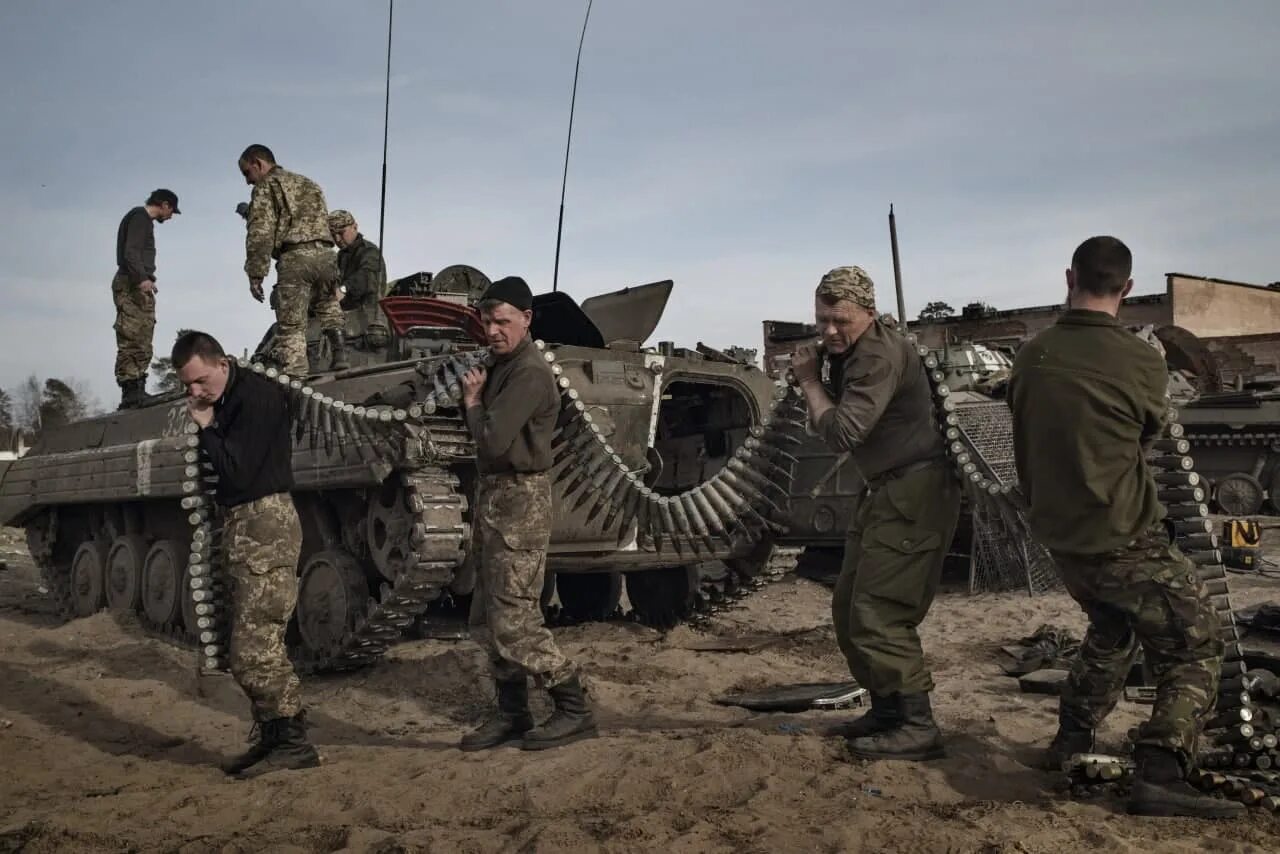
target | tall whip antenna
x=573, y=100
x=897, y=270
x=386, y=124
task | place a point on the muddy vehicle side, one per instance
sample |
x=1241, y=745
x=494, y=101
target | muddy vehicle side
x=114, y=512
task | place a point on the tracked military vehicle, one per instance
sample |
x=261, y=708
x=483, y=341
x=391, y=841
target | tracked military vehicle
x=666, y=462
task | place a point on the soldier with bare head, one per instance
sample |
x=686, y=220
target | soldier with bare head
x=511, y=412
x=878, y=407
x=244, y=432
x=133, y=290
x=288, y=221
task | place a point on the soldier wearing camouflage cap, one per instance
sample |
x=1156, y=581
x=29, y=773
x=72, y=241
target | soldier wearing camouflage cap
x=877, y=407
x=362, y=283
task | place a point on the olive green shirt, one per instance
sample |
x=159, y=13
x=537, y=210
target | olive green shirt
x=513, y=423
x=884, y=409
x=1087, y=395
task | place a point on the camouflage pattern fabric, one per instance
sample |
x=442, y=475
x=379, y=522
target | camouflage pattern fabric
x=305, y=281
x=1145, y=593
x=848, y=283
x=286, y=209
x=135, y=325
x=263, y=540
x=892, y=567
x=510, y=537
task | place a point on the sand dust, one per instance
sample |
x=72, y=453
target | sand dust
x=108, y=744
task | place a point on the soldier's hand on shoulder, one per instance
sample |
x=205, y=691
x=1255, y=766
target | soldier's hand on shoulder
x=472, y=382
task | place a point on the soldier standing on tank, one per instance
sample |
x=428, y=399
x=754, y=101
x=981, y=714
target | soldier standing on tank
x=244, y=432
x=133, y=289
x=363, y=282
x=879, y=408
x=511, y=412
x=288, y=221
x=1087, y=397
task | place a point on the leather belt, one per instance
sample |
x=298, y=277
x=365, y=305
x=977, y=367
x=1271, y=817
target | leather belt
x=289, y=247
x=884, y=477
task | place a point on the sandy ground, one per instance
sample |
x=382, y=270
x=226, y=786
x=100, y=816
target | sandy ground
x=107, y=743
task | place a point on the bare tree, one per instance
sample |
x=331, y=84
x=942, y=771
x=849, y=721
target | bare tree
x=27, y=398
x=6, y=410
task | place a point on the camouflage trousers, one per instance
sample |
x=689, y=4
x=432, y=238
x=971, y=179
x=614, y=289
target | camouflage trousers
x=135, y=325
x=263, y=541
x=1144, y=594
x=306, y=281
x=892, y=567
x=511, y=532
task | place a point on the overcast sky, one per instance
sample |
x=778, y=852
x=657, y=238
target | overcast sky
x=739, y=147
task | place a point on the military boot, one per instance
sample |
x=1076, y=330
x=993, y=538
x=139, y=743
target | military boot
x=338, y=350
x=290, y=751
x=1160, y=788
x=512, y=720
x=261, y=739
x=1072, y=738
x=885, y=714
x=916, y=738
x=570, y=722
x=133, y=394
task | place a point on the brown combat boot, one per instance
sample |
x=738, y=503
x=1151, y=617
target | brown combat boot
x=290, y=750
x=570, y=722
x=512, y=720
x=1160, y=788
x=916, y=739
x=885, y=714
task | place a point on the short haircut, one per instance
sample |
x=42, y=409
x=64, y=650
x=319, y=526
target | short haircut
x=1102, y=266
x=257, y=152
x=191, y=344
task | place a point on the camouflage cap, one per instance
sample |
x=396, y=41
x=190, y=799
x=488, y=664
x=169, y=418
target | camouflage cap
x=849, y=283
x=340, y=219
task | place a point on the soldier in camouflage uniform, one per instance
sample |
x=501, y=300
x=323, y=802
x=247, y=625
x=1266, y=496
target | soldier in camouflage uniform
x=244, y=433
x=288, y=221
x=133, y=290
x=879, y=408
x=511, y=412
x=1087, y=397
x=363, y=283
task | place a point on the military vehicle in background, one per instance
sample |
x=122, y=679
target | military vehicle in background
x=664, y=468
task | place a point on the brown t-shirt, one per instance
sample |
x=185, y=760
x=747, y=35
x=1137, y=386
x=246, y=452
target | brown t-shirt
x=884, y=412
x=513, y=423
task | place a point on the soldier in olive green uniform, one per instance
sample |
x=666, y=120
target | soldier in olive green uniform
x=363, y=283
x=511, y=412
x=288, y=221
x=879, y=408
x=1087, y=396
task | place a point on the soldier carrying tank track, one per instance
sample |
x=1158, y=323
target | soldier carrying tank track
x=1087, y=398
x=511, y=413
x=879, y=409
x=244, y=422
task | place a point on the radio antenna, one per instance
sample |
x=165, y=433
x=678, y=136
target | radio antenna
x=386, y=124
x=573, y=100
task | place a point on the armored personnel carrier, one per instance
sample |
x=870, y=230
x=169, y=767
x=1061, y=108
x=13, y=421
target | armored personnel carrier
x=666, y=462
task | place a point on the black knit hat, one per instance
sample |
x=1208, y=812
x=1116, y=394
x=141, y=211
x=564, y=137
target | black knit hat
x=512, y=290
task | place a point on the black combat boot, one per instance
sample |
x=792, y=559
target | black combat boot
x=512, y=720
x=290, y=751
x=261, y=739
x=570, y=722
x=916, y=738
x=885, y=714
x=1072, y=738
x=1160, y=788
x=133, y=394
x=338, y=350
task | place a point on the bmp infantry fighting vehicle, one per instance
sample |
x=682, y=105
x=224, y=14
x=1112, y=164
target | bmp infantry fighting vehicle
x=666, y=462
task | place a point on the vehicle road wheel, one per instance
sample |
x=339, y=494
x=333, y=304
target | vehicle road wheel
x=663, y=597
x=589, y=596
x=162, y=576
x=1238, y=494
x=88, y=581
x=124, y=573
x=331, y=598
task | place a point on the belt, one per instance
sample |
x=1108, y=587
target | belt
x=305, y=244
x=884, y=477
